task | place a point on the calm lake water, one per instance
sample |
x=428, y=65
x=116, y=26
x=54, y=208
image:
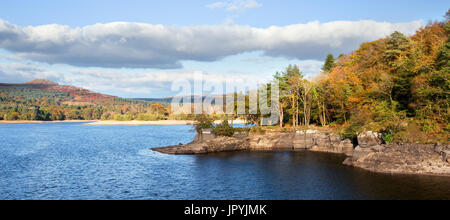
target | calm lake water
x=76, y=161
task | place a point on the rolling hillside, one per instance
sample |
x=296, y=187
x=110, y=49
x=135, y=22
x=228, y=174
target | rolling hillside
x=42, y=87
x=42, y=99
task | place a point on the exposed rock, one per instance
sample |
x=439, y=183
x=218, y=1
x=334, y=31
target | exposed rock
x=323, y=141
x=206, y=142
x=371, y=155
x=378, y=148
x=205, y=135
x=438, y=148
x=344, y=146
x=446, y=156
x=240, y=134
x=266, y=141
x=284, y=141
x=262, y=142
x=369, y=139
x=303, y=141
x=218, y=144
x=444, y=151
x=360, y=152
x=404, y=159
x=335, y=138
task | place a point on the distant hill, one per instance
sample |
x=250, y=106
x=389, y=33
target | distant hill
x=45, y=100
x=77, y=94
x=42, y=82
x=43, y=87
x=168, y=100
x=164, y=101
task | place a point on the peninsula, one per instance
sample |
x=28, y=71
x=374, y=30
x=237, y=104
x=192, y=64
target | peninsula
x=369, y=153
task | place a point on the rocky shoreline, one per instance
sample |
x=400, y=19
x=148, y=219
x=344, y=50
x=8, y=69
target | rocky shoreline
x=369, y=153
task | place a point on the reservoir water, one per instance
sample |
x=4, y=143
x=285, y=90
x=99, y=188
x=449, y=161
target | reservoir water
x=77, y=161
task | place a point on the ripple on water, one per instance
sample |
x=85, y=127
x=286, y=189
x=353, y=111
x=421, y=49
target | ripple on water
x=74, y=161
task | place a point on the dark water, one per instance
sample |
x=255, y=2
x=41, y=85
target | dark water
x=76, y=161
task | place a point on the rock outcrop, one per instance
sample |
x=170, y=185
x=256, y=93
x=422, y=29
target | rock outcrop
x=400, y=159
x=371, y=154
x=444, y=151
x=345, y=146
x=305, y=140
x=219, y=144
x=369, y=139
x=301, y=140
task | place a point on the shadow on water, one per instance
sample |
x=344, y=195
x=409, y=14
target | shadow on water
x=312, y=175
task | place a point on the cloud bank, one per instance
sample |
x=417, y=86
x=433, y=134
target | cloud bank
x=117, y=82
x=141, y=45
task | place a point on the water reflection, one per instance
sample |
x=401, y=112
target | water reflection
x=75, y=161
x=311, y=175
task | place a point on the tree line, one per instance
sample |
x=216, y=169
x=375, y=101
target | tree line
x=397, y=85
x=36, y=104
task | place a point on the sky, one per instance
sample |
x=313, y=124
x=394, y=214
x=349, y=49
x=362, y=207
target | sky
x=137, y=48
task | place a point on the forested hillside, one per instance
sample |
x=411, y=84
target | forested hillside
x=397, y=85
x=45, y=100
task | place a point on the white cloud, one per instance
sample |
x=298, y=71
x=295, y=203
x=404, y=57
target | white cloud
x=251, y=4
x=262, y=59
x=235, y=5
x=145, y=82
x=310, y=67
x=116, y=82
x=217, y=5
x=140, y=45
x=18, y=72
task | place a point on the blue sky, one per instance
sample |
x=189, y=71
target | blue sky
x=158, y=41
x=182, y=12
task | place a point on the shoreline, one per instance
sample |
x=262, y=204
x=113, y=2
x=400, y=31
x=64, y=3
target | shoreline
x=44, y=122
x=98, y=122
x=371, y=154
x=165, y=122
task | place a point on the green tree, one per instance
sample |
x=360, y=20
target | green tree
x=290, y=82
x=203, y=121
x=398, y=58
x=224, y=129
x=329, y=63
